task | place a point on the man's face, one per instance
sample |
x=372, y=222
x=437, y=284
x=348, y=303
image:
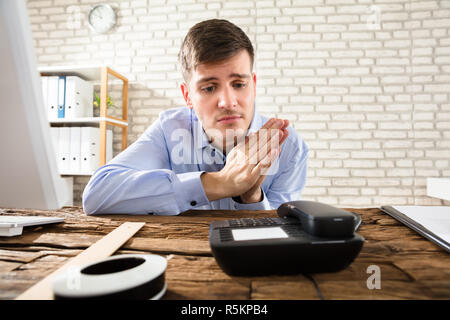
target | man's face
x=223, y=95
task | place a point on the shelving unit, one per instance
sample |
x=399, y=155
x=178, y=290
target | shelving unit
x=99, y=75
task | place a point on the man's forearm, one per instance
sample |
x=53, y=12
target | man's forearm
x=213, y=186
x=118, y=189
x=253, y=196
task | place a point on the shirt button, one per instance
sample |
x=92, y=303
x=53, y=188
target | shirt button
x=193, y=203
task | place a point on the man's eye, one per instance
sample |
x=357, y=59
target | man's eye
x=208, y=89
x=239, y=85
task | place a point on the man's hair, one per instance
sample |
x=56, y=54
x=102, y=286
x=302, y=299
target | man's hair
x=212, y=41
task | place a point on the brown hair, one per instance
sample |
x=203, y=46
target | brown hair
x=212, y=41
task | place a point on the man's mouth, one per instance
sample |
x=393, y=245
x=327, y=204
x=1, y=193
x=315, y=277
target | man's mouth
x=229, y=119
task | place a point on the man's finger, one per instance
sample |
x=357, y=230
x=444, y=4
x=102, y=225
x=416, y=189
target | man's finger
x=283, y=136
x=265, y=163
x=254, y=143
x=264, y=135
x=269, y=140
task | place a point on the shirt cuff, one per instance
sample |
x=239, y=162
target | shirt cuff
x=264, y=204
x=189, y=192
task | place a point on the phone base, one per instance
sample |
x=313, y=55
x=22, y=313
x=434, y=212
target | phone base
x=300, y=252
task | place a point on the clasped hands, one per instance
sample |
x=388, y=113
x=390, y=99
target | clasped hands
x=247, y=164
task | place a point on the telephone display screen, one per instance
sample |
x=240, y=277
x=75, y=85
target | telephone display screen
x=258, y=233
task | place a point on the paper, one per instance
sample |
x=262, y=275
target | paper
x=258, y=233
x=434, y=218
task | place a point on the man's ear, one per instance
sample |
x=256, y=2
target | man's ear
x=185, y=92
x=254, y=84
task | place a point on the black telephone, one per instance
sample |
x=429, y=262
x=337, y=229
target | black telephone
x=308, y=237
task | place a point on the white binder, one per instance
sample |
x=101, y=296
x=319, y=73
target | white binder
x=62, y=97
x=75, y=149
x=79, y=98
x=64, y=150
x=52, y=98
x=90, y=151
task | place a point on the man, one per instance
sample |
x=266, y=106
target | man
x=216, y=153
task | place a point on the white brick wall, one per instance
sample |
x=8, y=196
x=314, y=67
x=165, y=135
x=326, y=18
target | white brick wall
x=366, y=83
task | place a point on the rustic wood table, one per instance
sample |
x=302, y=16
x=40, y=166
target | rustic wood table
x=411, y=266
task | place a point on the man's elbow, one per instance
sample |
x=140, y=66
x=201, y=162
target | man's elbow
x=88, y=206
x=90, y=203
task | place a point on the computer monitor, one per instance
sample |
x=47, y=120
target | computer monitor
x=28, y=171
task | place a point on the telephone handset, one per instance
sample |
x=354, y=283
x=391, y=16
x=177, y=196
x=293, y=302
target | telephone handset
x=320, y=219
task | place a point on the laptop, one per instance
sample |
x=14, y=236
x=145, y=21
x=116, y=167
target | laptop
x=13, y=225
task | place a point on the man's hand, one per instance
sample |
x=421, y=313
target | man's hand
x=243, y=173
x=254, y=194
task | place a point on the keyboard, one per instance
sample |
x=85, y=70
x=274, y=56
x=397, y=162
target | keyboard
x=260, y=222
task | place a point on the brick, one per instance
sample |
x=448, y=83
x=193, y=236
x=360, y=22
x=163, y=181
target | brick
x=333, y=173
x=367, y=173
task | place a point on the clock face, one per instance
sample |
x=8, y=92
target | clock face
x=102, y=18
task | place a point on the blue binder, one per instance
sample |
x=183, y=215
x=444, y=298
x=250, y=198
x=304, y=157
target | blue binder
x=61, y=96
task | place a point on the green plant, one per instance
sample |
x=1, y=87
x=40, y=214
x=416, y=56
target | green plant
x=109, y=102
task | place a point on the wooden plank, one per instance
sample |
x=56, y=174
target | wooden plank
x=300, y=289
x=115, y=124
x=103, y=114
x=206, y=290
x=358, y=271
x=195, y=269
x=390, y=289
x=99, y=250
x=79, y=240
x=69, y=240
x=440, y=289
x=175, y=246
x=116, y=74
x=7, y=266
x=12, y=284
x=18, y=256
x=423, y=267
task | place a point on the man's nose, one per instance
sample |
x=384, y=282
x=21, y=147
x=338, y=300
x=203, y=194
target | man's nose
x=227, y=99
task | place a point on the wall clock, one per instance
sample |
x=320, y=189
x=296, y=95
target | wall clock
x=102, y=18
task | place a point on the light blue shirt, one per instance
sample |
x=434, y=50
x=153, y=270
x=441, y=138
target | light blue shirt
x=160, y=172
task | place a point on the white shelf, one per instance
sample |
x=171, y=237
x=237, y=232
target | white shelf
x=94, y=120
x=87, y=72
x=76, y=174
x=439, y=188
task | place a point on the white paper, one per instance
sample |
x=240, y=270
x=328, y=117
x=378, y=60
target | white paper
x=258, y=233
x=434, y=218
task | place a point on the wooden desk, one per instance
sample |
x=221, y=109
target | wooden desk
x=411, y=266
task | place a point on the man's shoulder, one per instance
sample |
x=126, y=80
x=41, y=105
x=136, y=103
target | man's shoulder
x=174, y=118
x=175, y=114
x=168, y=120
